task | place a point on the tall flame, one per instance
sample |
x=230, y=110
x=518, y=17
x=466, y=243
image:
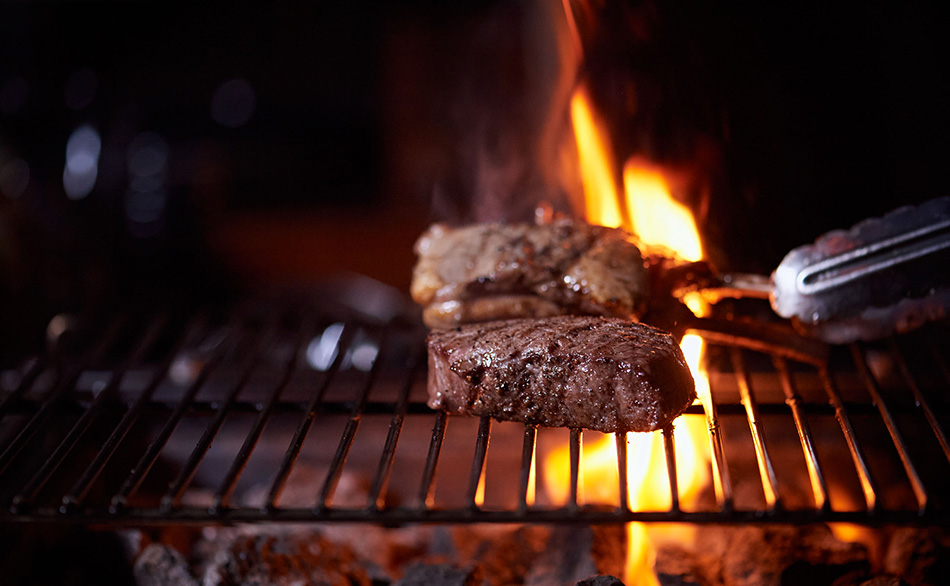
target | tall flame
x=657, y=220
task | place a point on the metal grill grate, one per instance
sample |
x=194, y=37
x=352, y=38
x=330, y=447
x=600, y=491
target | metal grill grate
x=287, y=411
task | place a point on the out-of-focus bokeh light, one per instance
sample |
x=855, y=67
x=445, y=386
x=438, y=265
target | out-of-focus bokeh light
x=80, y=89
x=14, y=177
x=82, y=162
x=147, y=159
x=323, y=348
x=233, y=103
x=13, y=94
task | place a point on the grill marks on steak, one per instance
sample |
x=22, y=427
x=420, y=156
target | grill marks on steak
x=485, y=272
x=605, y=374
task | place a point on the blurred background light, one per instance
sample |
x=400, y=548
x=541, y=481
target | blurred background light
x=233, y=103
x=82, y=162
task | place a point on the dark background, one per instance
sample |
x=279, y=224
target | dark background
x=371, y=120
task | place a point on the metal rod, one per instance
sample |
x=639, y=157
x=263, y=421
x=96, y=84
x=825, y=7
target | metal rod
x=425, y=495
x=620, y=439
x=29, y=491
x=478, y=461
x=766, y=469
x=920, y=493
x=384, y=468
x=669, y=449
x=528, y=447
x=720, y=471
x=575, y=447
x=66, y=384
x=313, y=409
x=857, y=455
x=222, y=496
x=176, y=488
x=794, y=402
x=921, y=400
x=81, y=487
x=33, y=370
x=349, y=432
x=148, y=459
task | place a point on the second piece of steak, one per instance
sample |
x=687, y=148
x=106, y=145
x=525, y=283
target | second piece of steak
x=605, y=374
x=484, y=272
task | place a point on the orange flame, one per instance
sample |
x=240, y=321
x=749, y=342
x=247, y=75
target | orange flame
x=657, y=220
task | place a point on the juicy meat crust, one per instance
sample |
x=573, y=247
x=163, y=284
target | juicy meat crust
x=501, y=271
x=605, y=374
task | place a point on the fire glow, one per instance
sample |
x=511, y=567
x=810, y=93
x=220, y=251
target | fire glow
x=648, y=211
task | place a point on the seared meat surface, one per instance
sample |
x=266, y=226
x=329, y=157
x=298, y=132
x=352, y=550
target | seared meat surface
x=499, y=271
x=606, y=374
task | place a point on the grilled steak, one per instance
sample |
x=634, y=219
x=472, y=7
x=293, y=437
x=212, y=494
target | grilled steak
x=606, y=374
x=499, y=271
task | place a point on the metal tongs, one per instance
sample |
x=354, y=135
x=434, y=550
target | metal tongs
x=883, y=275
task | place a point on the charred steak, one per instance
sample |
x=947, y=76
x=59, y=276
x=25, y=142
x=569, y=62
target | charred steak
x=486, y=272
x=606, y=374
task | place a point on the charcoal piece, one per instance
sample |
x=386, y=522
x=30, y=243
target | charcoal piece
x=575, y=553
x=601, y=581
x=919, y=555
x=161, y=565
x=504, y=553
x=283, y=558
x=674, y=566
x=863, y=579
x=605, y=374
x=437, y=575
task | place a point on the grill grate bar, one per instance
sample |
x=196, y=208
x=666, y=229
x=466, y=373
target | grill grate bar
x=32, y=370
x=424, y=496
x=172, y=498
x=349, y=433
x=29, y=491
x=857, y=454
x=80, y=489
x=920, y=493
x=621, y=440
x=222, y=496
x=766, y=470
x=794, y=402
x=669, y=449
x=132, y=482
x=476, y=478
x=575, y=448
x=62, y=386
x=720, y=472
x=920, y=399
x=384, y=469
x=528, y=449
x=312, y=410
